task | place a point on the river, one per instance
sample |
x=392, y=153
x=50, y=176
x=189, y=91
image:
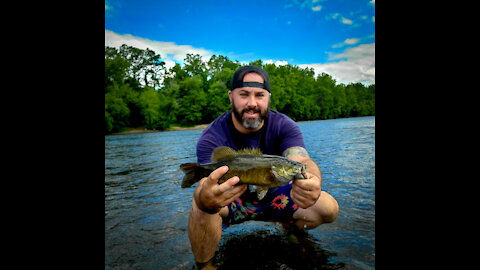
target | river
x=146, y=210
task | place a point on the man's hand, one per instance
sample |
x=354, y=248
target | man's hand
x=210, y=197
x=305, y=192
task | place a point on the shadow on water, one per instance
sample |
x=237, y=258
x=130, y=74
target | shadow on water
x=272, y=249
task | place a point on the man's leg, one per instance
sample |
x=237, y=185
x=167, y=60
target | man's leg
x=204, y=232
x=325, y=210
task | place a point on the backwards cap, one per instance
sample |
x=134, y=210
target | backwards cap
x=237, y=81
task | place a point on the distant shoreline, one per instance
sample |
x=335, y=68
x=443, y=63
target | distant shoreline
x=141, y=129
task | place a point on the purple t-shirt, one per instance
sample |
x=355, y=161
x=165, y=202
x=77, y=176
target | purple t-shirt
x=278, y=133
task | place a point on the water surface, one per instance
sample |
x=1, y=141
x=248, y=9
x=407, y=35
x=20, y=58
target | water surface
x=146, y=211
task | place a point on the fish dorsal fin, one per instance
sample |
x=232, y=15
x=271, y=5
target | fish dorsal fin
x=250, y=151
x=223, y=152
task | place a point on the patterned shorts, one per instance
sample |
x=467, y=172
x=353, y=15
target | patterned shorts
x=277, y=205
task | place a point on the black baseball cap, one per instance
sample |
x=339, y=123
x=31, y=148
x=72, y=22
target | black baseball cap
x=237, y=81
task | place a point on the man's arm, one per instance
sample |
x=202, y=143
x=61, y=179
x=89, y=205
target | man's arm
x=306, y=192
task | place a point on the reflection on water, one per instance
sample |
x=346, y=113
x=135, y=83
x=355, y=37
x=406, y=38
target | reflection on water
x=146, y=211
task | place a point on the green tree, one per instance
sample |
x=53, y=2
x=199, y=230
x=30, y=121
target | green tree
x=352, y=102
x=108, y=121
x=116, y=113
x=145, y=65
x=115, y=70
x=192, y=102
x=194, y=65
x=339, y=100
x=197, y=92
x=217, y=101
x=220, y=68
x=149, y=102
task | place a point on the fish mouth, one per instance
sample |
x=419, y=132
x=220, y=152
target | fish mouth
x=303, y=171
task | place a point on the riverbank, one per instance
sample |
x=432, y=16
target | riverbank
x=142, y=129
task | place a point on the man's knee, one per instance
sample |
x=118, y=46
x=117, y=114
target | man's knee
x=328, y=207
x=325, y=210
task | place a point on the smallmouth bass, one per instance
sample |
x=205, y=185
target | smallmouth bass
x=250, y=165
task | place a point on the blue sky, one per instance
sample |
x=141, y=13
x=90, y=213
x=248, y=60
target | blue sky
x=332, y=36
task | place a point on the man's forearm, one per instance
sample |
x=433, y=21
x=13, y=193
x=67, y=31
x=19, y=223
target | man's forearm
x=312, y=168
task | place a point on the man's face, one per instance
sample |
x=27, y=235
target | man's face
x=250, y=104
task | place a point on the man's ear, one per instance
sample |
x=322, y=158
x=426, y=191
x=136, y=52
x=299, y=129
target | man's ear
x=230, y=96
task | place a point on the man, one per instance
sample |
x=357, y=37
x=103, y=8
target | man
x=250, y=123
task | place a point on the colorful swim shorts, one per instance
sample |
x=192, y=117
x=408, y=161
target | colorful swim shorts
x=277, y=205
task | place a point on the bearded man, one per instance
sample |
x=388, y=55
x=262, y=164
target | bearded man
x=251, y=124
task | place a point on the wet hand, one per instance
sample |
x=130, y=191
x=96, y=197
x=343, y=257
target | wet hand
x=210, y=197
x=305, y=192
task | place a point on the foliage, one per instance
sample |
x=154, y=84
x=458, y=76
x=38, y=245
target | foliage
x=140, y=91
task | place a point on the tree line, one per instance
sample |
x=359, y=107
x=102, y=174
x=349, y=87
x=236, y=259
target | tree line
x=141, y=91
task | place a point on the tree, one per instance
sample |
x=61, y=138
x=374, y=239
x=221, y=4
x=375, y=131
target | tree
x=149, y=102
x=146, y=66
x=194, y=65
x=116, y=113
x=339, y=101
x=192, y=101
x=217, y=101
x=115, y=70
x=198, y=92
x=352, y=102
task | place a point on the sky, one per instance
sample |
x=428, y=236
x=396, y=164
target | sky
x=332, y=36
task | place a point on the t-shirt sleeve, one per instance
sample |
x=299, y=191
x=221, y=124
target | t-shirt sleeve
x=290, y=135
x=205, y=147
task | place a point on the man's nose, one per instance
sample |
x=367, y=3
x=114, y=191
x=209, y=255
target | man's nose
x=251, y=101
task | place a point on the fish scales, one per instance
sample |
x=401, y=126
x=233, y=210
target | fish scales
x=249, y=165
x=255, y=170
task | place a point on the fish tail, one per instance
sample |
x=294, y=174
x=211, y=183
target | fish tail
x=190, y=177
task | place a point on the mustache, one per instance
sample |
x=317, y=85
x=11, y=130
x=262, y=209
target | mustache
x=254, y=109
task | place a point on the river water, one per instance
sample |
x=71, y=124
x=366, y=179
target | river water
x=146, y=210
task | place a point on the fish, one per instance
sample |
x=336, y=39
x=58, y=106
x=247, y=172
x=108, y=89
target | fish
x=258, y=170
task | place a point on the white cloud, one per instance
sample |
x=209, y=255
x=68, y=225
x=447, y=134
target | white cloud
x=169, y=51
x=277, y=63
x=359, y=52
x=346, y=21
x=332, y=16
x=341, y=19
x=356, y=64
x=351, y=41
x=310, y=4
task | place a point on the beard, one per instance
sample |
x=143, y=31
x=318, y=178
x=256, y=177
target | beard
x=250, y=122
